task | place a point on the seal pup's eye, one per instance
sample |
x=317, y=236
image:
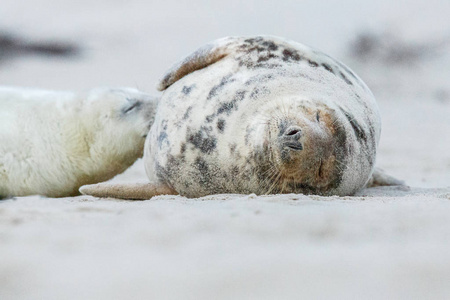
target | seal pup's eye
x=132, y=105
x=318, y=116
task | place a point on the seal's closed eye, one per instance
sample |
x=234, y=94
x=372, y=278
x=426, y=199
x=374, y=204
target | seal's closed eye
x=132, y=105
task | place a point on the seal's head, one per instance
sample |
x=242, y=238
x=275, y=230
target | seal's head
x=109, y=129
x=124, y=115
x=302, y=149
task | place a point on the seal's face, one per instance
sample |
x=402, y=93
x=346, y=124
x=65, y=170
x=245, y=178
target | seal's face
x=124, y=111
x=303, y=150
x=115, y=123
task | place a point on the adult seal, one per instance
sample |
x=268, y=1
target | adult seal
x=259, y=115
x=52, y=142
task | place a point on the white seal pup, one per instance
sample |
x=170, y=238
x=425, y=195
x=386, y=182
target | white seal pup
x=53, y=142
x=259, y=115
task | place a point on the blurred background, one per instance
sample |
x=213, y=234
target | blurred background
x=401, y=49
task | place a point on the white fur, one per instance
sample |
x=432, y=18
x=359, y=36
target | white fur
x=53, y=142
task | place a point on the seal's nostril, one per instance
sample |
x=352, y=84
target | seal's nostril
x=291, y=131
x=291, y=138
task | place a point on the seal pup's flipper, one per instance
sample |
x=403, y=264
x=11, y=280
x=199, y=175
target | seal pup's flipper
x=129, y=191
x=380, y=178
x=201, y=58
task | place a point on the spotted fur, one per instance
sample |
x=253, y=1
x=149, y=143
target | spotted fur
x=223, y=122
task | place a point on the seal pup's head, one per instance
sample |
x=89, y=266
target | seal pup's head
x=123, y=109
x=110, y=128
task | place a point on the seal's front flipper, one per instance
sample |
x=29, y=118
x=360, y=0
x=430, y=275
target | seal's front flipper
x=380, y=178
x=201, y=58
x=129, y=191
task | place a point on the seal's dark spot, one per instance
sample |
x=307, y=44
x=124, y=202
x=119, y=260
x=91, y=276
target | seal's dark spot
x=255, y=93
x=347, y=70
x=259, y=79
x=227, y=107
x=328, y=68
x=290, y=55
x=215, y=89
x=162, y=138
x=254, y=40
x=187, y=113
x=313, y=63
x=187, y=89
x=263, y=58
x=233, y=148
x=271, y=46
x=258, y=91
x=202, y=140
x=210, y=118
x=183, y=148
x=221, y=125
x=256, y=48
x=359, y=132
x=345, y=78
x=202, y=166
x=160, y=171
x=205, y=175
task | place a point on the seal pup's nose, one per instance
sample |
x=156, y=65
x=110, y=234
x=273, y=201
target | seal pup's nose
x=291, y=138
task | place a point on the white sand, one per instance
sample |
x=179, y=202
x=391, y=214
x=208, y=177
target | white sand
x=384, y=243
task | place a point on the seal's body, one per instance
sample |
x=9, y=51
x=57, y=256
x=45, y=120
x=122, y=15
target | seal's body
x=270, y=116
x=261, y=115
x=54, y=142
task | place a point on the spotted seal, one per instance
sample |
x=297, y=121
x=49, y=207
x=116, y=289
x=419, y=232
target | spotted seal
x=53, y=142
x=259, y=115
